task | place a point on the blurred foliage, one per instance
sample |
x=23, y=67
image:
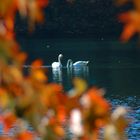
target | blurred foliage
x=31, y=102
x=131, y=19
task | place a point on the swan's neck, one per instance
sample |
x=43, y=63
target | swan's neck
x=59, y=60
x=69, y=63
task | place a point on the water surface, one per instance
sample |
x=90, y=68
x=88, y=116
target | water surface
x=113, y=66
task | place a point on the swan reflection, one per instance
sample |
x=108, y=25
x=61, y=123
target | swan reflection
x=69, y=69
x=57, y=75
x=82, y=72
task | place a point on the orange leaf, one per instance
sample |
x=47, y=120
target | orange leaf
x=61, y=113
x=121, y=2
x=95, y=95
x=42, y=3
x=37, y=63
x=132, y=24
x=26, y=136
x=4, y=98
x=59, y=130
x=127, y=33
x=9, y=120
x=21, y=57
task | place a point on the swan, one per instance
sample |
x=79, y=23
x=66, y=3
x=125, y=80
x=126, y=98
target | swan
x=58, y=64
x=57, y=70
x=80, y=63
x=77, y=69
x=76, y=64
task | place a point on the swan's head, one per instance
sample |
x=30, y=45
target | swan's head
x=60, y=56
x=86, y=62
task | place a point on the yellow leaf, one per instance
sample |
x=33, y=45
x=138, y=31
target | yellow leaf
x=4, y=98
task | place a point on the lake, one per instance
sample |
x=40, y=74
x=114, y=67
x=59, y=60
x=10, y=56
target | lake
x=112, y=65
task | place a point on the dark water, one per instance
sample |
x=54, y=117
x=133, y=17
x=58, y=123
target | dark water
x=113, y=66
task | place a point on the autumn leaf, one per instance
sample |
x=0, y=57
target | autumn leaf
x=115, y=128
x=37, y=63
x=80, y=85
x=26, y=136
x=26, y=8
x=36, y=72
x=21, y=57
x=96, y=98
x=121, y=2
x=7, y=19
x=61, y=113
x=7, y=28
x=59, y=130
x=96, y=108
x=79, y=88
x=4, y=98
x=39, y=76
x=22, y=7
x=131, y=20
x=35, y=12
x=9, y=120
x=42, y=3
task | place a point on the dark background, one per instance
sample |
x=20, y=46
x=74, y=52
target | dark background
x=96, y=19
x=81, y=29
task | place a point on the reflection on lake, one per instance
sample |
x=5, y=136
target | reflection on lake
x=82, y=72
x=66, y=74
x=57, y=76
x=118, y=80
x=132, y=102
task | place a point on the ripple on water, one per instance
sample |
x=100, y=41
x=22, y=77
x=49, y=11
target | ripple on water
x=132, y=102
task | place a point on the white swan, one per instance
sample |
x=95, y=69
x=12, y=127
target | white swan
x=58, y=64
x=78, y=69
x=76, y=64
x=80, y=63
x=57, y=70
